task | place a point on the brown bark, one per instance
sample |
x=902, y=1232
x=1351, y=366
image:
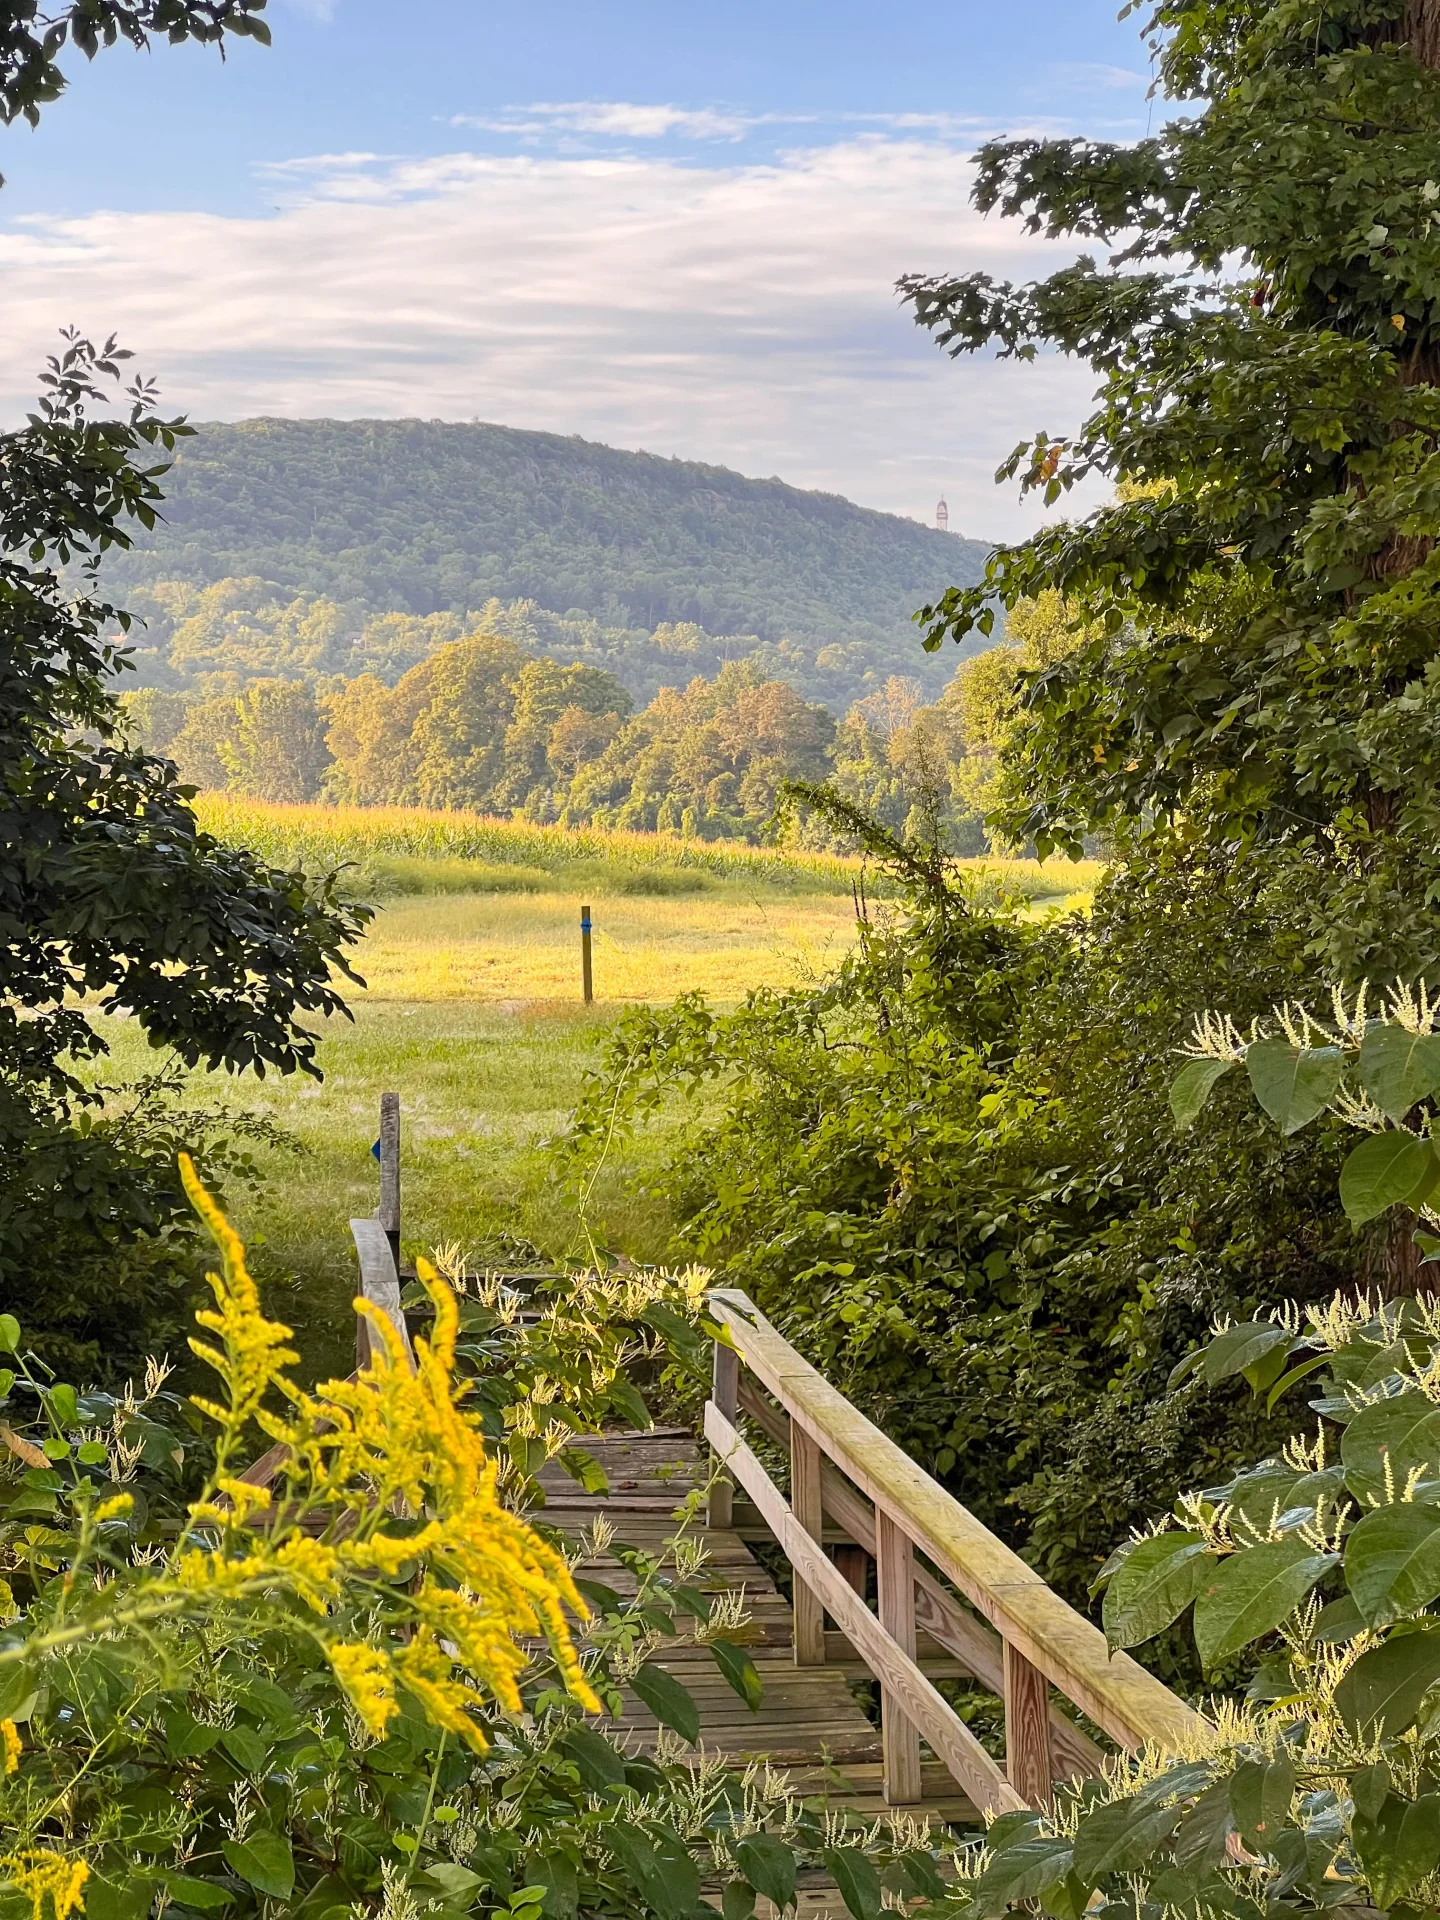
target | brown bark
x=1390, y=1263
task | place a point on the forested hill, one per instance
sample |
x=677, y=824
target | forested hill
x=424, y=517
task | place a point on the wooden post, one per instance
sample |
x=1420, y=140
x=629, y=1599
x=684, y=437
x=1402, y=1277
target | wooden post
x=587, y=977
x=389, y=1213
x=1028, y=1763
x=809, y=1614
x=853, y=1563
x=725, y=1392
x=900, y=1738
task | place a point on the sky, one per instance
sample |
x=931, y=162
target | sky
x=663, y=226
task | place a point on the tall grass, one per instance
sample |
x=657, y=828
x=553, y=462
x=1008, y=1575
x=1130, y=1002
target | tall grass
x=416, y=850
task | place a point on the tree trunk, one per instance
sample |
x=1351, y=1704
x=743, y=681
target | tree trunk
x=1390, y=1264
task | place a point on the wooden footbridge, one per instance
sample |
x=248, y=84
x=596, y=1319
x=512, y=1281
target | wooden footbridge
x=895, y=1587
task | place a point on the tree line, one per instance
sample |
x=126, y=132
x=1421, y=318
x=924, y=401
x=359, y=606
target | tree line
x=483, y=723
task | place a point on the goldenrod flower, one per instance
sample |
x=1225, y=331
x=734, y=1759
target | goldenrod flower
x=115, y=1508
x=40, y=1874
x=365, y=1674
x=10, y=1739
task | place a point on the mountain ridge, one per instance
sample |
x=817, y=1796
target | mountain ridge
x=425, y=517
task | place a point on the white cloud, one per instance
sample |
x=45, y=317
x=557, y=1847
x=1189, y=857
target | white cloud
x=623, y=119
x=738, y=314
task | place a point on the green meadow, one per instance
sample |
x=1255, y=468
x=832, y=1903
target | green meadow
x=472, y=1012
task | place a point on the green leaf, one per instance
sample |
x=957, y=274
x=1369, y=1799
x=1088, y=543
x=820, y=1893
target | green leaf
x=1400, y=1848
x=556, y=1873
x=1293, y=1084
x=1389, y=1441
x=740, y=1670
x=626, y=1397
x=1260, y=1798
x=203, y=1895
x=1382, y=1692
x=1201, y=1838
x=1240, y=1347
x=246, y=1748
x=1251, y=1592
x=185, y=1736
x=1397, y=1068
x=584, y=1468
x=857, y=1880
x=458, y=1882
x=1153, y=1585
x=1120, y=1837
x=9, y=1333
x=1023, y=1872
x=737, y=1902
x=127, y=1899
x=601, y=1764
x=769, y=1866
x=1338, y=1622
x=1190, y=1089
x=1384, y=1170
x=264, y=1861
x=1392, y=1561
x=670, y=1703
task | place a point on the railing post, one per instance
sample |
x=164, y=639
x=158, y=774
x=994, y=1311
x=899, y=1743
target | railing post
x=809, y=1614
x=900, y=1739
x=1029, y=1765
x=725, y=1393
x=389, y=1213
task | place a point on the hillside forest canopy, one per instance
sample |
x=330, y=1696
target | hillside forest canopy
x=418, y=518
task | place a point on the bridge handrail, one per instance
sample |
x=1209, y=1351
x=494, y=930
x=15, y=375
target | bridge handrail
x=1045, y=1641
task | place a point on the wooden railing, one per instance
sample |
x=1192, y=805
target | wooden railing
x=843, y=1466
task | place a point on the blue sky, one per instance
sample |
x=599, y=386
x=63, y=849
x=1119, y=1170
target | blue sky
x=668, y=226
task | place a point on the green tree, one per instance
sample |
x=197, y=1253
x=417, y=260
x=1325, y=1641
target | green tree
x=1263, y=666
x=109, y=892
x=276, y=747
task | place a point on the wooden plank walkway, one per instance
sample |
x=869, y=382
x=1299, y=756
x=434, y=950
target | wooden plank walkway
x=811, y=1723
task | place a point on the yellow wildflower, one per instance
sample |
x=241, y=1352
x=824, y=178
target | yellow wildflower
x=255, y=1355
x=40, y=1874
x=365, y=1674
x=425, y=1669
x=115, y=1508
x=10, y=1738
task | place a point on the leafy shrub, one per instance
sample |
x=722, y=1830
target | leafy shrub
x=949, y=1171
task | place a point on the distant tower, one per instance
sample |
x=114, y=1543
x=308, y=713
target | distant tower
x=942, y=516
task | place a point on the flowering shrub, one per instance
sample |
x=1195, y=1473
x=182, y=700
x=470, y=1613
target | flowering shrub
x=371, y=1687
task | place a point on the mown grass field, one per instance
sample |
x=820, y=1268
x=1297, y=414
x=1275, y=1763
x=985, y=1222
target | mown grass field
x=472, y=1012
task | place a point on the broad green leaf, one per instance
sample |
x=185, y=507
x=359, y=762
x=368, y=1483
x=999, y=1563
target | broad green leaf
x=859, y=1883
x=1153, y=1586
x=1293, y=1084
x=740, y=1670
x=1120, y=1837
x=660, y=1867
x=1399, y=1848
x=1392, y=1561
x=9, y=1333
x=1370, y=1789
x=185, y=1736
x=769, y=1866
x=1201, y=1837
x=453, y=1879
x=1397, y=1068
x=1382, y=1692
x=1339, y=1621
x=556, y=1873
x=246, y=1748
x=264, y=1861
x=112, y=1899
x=1260, y=1797
x=1190, y=1089
x=600, y=1763
x=1250, y=1593
x=738, y=1901
x=1242, y=1346
x=1023, y=1872
x=184, y=1888
x=584, y=1468
x=1384, y=1170
x=670, y=1703
x=1385, y=1444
